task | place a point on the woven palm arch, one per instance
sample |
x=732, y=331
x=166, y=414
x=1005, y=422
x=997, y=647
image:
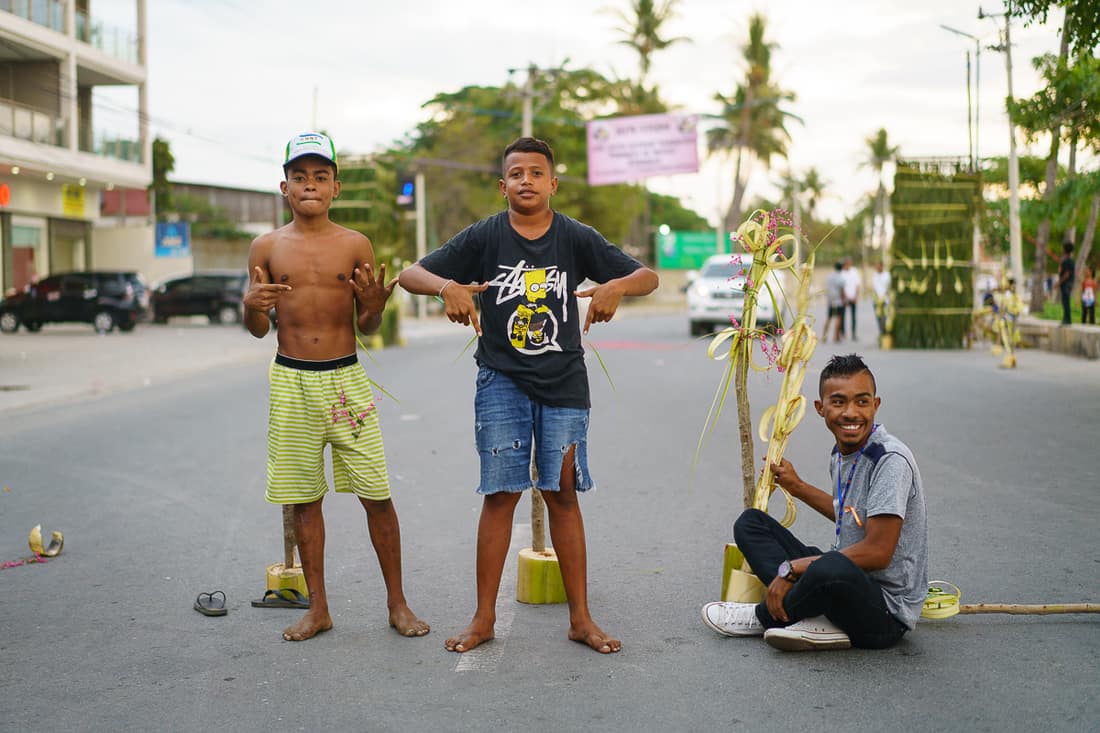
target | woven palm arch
x=933, y=206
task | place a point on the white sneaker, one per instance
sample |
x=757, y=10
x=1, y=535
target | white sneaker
x=733, y=619
x=808, y=635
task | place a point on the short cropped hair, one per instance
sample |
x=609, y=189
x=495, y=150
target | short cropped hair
x=844, y=365
x=1067, y=247
x=529, y=145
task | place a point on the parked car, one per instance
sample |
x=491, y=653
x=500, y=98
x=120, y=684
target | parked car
x=104, y=299
x=717, y=292
x=216, y=295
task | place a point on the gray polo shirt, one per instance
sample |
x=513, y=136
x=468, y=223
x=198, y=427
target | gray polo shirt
x=886, y=481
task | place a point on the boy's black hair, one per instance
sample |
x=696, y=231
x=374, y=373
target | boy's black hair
x=1067, y=246
x=838, y=266
x=844, y=365
x=529, y=145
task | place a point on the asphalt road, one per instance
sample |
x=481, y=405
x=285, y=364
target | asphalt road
x=156, y=478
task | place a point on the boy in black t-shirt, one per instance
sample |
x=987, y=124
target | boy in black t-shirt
x=532, y=385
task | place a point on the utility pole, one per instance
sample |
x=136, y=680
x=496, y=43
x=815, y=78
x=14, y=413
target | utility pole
x=1015, y=247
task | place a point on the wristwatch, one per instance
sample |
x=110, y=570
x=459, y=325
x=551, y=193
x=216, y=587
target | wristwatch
x=787, y=572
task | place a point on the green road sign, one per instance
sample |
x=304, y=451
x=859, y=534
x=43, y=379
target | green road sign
x=688, y=250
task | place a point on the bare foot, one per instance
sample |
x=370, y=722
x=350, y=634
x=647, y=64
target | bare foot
x=593, y=636
x=308, y=626
x=407, y=624
x=473, y=635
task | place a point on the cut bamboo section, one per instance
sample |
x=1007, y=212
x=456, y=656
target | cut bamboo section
x=1034, y=609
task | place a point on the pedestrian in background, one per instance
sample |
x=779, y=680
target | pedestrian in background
x=852, y=286
x=1088, y=298
x=880, y=284
x=834, y=301
x=1066, y=271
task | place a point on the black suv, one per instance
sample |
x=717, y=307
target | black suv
x=216, y=295
x=104, y=299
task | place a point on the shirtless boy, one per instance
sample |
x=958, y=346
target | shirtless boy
x=320, y=279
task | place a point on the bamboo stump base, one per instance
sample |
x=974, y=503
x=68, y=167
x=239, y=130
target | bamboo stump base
x=539, y=579
x=738, y=585
x=279, y=576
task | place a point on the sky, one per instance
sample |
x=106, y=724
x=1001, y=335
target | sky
x=231, y=81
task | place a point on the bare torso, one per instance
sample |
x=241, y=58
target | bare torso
x=316, y=318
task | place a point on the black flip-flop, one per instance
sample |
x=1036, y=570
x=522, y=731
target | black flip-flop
x=211, y=604
x=282, y=598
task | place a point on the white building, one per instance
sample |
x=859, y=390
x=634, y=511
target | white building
x=61, y=146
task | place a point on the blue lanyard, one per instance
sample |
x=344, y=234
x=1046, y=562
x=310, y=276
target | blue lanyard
x=842, y=492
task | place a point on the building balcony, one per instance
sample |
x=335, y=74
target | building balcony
x=50, y=14
x=26, y=123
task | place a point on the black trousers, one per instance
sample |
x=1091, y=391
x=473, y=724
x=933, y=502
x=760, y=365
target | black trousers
x=1065, y=306
x=832, y=586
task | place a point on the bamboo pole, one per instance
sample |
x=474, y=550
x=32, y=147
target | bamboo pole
x=538, y=516
x=1037, y=609
x=289, y=538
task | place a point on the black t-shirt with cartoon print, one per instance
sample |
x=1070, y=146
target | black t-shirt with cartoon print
x=529, y=319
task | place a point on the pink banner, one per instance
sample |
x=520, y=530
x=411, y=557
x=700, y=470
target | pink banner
x=627, y=149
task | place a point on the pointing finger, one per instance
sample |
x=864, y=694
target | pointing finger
x=585, y=293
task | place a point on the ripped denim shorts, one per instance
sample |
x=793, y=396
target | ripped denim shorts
x=507, y=423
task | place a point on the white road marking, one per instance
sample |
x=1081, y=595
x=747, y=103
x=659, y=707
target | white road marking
x=485, y=657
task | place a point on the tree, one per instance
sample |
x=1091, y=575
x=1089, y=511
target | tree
x=753, y=123
x=813, y=186
x=459, y=149
x=163, y=164
x=642, y=31
x=1082, y=20
x=879, y=153
x=1068, y=103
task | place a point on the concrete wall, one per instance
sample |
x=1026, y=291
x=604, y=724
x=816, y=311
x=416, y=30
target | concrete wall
x=34, y=84
x=131, y=248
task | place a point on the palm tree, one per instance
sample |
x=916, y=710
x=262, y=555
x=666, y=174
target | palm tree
x=880, y=152
x=752, y=120
x=642, y=31
x=813, y=185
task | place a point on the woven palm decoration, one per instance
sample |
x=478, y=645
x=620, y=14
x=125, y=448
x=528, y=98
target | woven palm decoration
x=933, y=207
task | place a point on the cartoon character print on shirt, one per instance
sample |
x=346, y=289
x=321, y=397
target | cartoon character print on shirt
x=533, y=326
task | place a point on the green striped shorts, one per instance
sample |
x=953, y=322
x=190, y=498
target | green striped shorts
x=317, y=402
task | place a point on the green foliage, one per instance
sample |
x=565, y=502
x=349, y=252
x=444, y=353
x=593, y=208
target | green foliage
x=668, y=210
x=368, y=204
x=641, y=30
x=163, y=164
x=1032, y=171
x=1069, y=99
x=1082, y=19
x=753, y=119
x=933, y=205
x=207, y=221
x=459, y=150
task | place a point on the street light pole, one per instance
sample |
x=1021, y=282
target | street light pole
x=1015, y=247
x=975, y=156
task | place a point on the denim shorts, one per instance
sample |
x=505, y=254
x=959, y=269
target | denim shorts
x=506, y=424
